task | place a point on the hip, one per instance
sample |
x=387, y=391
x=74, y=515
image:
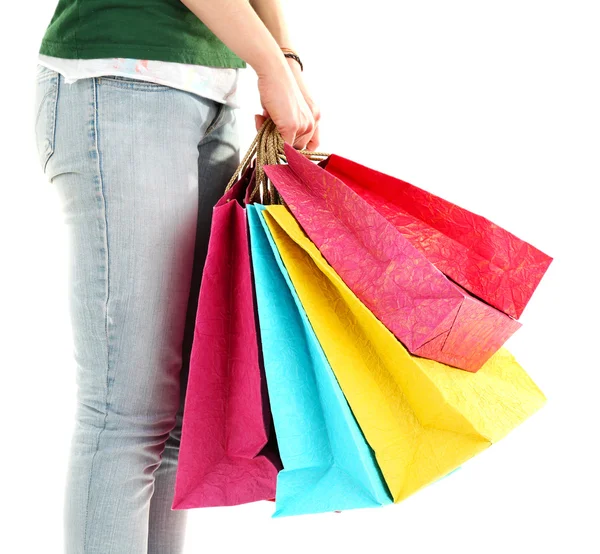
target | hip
x=131, y=121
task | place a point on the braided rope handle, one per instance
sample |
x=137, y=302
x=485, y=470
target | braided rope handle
x=267, y=146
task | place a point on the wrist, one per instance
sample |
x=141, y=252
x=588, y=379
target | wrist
x=291, y=54
x=293, y=65
x=271, y=63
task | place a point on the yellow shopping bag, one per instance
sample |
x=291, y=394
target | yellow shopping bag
x=422, y=418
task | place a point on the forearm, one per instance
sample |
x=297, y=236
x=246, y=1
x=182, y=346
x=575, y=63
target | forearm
x=271, y=14
x=239, y=27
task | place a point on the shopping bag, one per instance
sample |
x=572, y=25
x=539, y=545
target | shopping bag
x=485, y=259
x=431, y=315
x=422, y=418
x=327, y=464
x=227, y=452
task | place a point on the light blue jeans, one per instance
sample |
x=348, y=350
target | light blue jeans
x=138, y=167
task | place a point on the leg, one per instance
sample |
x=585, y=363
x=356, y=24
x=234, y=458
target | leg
x=125, y=164
x=218, y=158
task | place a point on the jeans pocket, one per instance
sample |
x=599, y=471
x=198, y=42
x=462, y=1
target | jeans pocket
x=46, y=100
x=218, y=117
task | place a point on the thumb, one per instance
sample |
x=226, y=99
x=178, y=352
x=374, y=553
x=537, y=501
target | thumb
x=259, y=121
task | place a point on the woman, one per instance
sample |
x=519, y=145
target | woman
x=136, y=130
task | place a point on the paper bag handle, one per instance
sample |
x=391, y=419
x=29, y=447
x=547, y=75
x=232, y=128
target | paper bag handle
x=267, y=146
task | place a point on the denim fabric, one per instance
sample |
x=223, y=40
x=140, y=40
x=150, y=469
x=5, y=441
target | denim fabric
x=138, y=167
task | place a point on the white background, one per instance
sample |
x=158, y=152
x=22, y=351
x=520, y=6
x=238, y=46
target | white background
x=492, y=105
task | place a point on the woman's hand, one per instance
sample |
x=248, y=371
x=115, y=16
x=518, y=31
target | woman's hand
x=313, y=144
x=285, y=100
x=256, y=38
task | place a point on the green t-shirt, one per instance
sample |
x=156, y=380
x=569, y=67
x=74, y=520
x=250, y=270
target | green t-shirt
x=142, y=29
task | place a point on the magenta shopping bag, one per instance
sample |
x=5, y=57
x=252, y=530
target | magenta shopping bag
x=432, y=316
x=227, y=453
x=482, y=257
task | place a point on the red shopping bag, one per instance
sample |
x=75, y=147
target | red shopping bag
x=432, y=316
x=227, y=454
x=485, y=259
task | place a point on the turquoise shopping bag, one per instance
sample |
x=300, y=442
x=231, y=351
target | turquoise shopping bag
x=327, y=464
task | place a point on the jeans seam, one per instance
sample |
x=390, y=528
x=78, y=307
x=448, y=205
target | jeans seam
x=216, y=120
x=125, y=82
x=54, y=108
x=95, y=87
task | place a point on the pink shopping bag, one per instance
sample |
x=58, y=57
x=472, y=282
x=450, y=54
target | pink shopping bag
x=432, y=316
x=228, y=454
x=487, y=260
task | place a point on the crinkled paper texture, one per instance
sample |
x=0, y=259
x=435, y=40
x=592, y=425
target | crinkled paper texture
x=488, y=261
x=327, y=462
x=431, y=315
x=422, y=418
x=226, y=456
